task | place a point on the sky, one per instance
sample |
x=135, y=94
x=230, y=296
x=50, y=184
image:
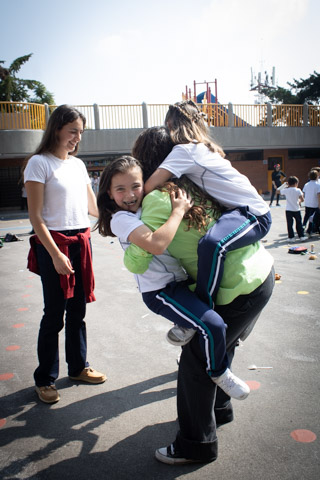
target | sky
x=117, y=52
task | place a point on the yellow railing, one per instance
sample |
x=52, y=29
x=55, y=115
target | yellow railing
x=314, y=115
x=20, y=116
x=287, y=115
x=15, y=115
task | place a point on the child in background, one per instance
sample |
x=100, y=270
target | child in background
x=247, y=218
x=163, y=282
x=311, y=192
x=294, y=197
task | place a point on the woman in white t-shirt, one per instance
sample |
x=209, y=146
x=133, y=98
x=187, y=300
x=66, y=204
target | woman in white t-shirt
x=59, y=199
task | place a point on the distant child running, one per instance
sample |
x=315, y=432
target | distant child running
x=163, y=282
x=294, y=198
x=247, y=219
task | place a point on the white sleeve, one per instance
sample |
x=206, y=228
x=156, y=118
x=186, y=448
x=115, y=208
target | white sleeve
x=123, y=223
x=35, y=170
x=178, y=162
x=85, y=171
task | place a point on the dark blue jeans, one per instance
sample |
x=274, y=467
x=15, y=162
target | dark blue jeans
x=55, y=306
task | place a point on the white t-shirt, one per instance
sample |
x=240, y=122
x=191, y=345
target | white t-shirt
x=65, y=202
x=311, y=190
x=162, y=270
x=292, y=195
x=215, y=175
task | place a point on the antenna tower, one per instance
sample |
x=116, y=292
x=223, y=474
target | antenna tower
x=260, y=81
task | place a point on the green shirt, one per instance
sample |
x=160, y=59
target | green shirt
x=245, y=269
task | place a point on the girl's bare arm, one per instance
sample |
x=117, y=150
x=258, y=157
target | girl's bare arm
x=35, y=194
x=157, y=179
x=156, y=242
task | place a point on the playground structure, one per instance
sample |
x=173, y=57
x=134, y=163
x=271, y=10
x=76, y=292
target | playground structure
x=216, y=113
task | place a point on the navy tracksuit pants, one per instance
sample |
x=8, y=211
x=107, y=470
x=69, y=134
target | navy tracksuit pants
x=184, y=308
x=234, y=229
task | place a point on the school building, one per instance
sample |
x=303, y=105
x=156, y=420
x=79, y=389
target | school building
x=254, y=137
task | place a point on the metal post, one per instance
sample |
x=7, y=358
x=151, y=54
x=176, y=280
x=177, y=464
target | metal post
x=46, y=113
x=230, y=115
x=305, y=115
x=144, y=115
x=96, y=116
x=269, y=115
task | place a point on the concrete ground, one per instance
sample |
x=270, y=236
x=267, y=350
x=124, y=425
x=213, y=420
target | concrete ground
x=110, y=431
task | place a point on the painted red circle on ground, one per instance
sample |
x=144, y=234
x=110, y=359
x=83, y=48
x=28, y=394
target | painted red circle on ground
x=22, y=309
x=3, y=421
x=11, y=348
x=18, y=325
x=6, y=376
x=303, y=436
x=253, y=385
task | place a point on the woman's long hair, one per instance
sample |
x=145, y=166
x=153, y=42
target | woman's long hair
x=107, y=207
x=187, y=125
x=206, y=208
x=151, y=147
x=57, y=120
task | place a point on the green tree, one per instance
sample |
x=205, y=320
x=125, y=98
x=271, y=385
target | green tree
x=14, y=89
x=300, y=92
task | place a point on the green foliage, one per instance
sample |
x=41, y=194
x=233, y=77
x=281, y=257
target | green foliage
x=300, y=92
x=13, y=89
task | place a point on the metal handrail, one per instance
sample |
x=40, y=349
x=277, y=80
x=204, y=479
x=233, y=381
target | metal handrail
x=19, y=115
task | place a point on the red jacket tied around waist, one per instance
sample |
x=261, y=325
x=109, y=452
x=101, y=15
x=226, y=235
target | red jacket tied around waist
x=67, y=282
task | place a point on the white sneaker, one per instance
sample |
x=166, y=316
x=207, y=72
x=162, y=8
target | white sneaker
x=232, y=385
x=291, y=240
x=180, y=336
x=303, y=239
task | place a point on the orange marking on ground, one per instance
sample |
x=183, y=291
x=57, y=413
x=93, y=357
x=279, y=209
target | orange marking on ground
x=26, y=295
x=3, y=421
x=28, y=286
x=22, y=309
x=31, y=276
x=253, y=385
x=12, y=348
x=18, y=325
x=303, y=436
x=302, y=292
x=6, y=376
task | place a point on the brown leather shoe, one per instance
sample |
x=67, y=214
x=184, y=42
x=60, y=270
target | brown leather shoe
x=90, y=375
x=48, y=394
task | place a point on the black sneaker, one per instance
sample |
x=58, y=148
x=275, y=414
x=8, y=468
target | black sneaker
x=170, y=456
